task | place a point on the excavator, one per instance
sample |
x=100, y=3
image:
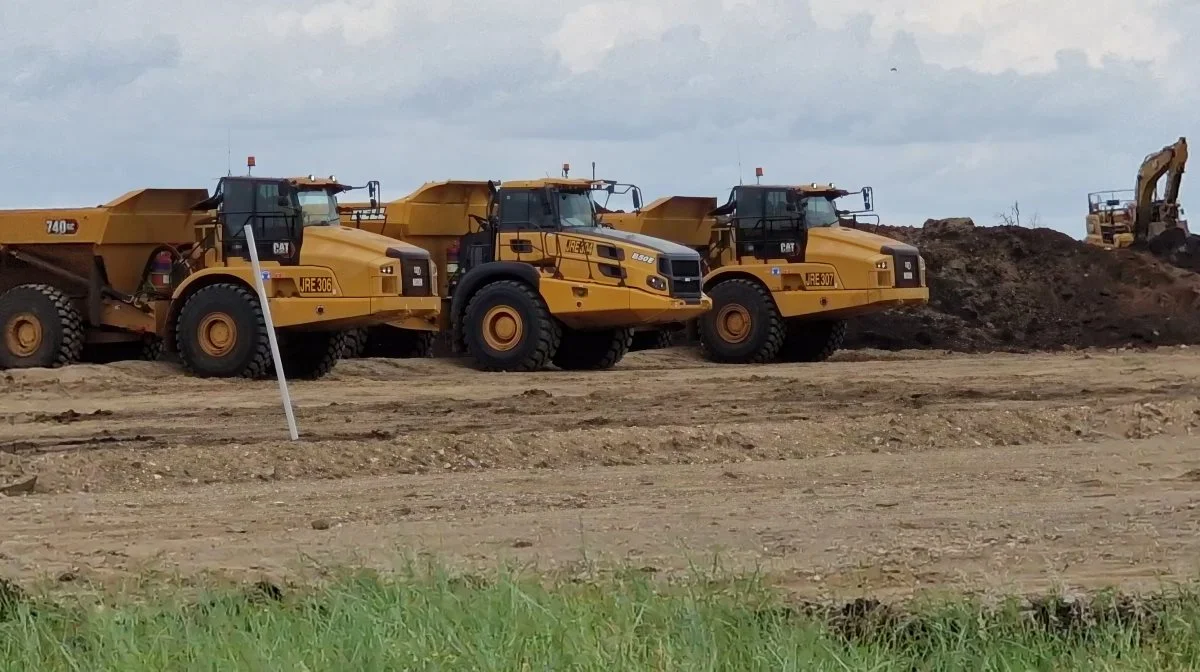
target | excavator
x=1138, y=218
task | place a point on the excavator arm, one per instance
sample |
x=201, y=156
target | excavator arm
x=1170, y=159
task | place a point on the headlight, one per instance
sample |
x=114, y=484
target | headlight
x=389, y=269
x=882, y=264
x=657, y=282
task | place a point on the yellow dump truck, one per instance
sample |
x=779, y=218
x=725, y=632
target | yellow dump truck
x=171, y=268
x=783, y=273
x=528, y=277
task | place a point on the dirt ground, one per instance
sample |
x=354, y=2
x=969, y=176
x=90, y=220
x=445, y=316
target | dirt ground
x=880, y=473
x=1020, y=290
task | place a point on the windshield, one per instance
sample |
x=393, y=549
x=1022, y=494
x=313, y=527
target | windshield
x=575, y=209
x=319, y=208
x=819, y=212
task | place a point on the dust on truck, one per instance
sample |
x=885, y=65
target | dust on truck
x=170, y=268
x=783, y=273
x=530, y=278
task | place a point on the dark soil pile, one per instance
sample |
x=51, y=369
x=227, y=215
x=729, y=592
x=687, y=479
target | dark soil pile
x=1016, y=289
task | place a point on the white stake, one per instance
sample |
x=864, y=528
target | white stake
x=266, y=308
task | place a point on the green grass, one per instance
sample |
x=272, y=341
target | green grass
x=628, y=622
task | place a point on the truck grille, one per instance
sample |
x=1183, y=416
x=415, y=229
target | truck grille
x=416, y=276
x=908, y=270
x=684, y=280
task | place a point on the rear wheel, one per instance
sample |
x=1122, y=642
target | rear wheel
x=41, y=328
x=592, y=350
x=221, y=333
x=812, y=340
x=308, y=355
x=396, y=343
x=507, y=327
x=744, y=325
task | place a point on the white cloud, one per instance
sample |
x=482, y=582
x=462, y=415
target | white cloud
x=989, y=101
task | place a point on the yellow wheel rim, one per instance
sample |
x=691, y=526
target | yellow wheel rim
x=23, y=334
x=217, y=334
x=733, y=323
x=502, y=328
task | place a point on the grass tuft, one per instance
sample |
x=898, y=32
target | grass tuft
x=430, y=619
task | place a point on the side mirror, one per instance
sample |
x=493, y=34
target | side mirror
x=637, y=199
x=868, y=198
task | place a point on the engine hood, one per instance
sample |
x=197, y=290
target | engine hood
x=868, y=242
x=657, y=244
x=364, y=241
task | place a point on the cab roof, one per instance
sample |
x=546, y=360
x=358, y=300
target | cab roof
x=562, y=182
x=809, y=188
x=313, y=182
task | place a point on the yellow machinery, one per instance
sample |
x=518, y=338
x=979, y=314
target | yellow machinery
x=170, y=267
x=411, y=336
x=1138, y=217
x=783, y=274
x=529, y=277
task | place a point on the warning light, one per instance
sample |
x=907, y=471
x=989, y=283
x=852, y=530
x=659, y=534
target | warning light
x=758, y=172
x=250, y=162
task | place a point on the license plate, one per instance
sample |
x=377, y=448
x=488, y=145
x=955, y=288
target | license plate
x=316, y=285
x=908, y=276
x=819, y=280
x=418, y=282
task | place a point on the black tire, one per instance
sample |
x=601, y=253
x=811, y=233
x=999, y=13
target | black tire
x=356, y=343
x=764, y=337
x=812, y=340
x=592, y=350
x=395, y=343
x=250, y=354
x=41, y=328
x=656, y=339
x=308, y=355
x=539, y=337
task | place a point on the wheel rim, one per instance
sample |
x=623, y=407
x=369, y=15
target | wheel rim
x=217, y=334
x=23, y=334
x=502, y=328
x=733, y=323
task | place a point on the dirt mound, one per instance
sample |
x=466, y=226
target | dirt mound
x=1017, y=289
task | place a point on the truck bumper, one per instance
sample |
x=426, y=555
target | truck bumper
x=593, y=306
x=847, y=302
x=350, y=313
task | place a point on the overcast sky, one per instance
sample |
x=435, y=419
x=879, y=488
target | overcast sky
x=990, y=101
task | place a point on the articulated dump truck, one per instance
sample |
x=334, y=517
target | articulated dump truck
x=528, y=276
x=783, y=273
x=170, y=268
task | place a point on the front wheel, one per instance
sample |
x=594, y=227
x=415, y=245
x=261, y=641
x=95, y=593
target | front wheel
x=507, y=327
x=812, y=340
x=395, y=343
x=356, y=343
x=744, y=325
x=592, y=350
x=308, y=355
x=221, y=333
x=653, y=339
